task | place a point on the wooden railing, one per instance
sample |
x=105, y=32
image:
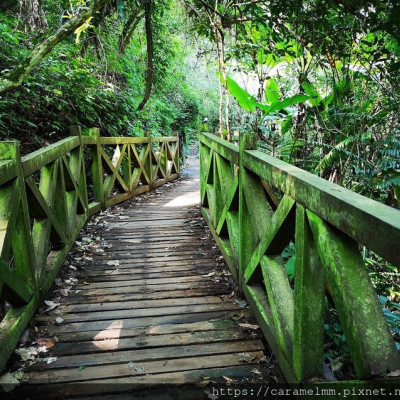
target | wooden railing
x=255, y=206
x=46, y=198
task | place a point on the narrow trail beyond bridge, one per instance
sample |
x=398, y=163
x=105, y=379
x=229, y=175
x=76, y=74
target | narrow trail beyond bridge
x=153, y=311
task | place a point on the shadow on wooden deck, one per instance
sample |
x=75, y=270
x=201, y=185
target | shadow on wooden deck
x=147, y=307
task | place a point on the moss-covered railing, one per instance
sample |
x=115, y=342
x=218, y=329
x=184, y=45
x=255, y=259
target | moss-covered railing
x=255, y=205
x=47, y=196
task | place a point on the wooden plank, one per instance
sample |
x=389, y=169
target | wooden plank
x=138, y=313
x=122, y=305
x=147, y=282
x=147, y=321
x=148, y=289
x=184, y=349
x=155, y=343
x=168, y=382
x=119, y=275
x=115, y=332
x=147, y=256
x=125, y=370
x=141, y=245
x=128, y=264
x=77, y=298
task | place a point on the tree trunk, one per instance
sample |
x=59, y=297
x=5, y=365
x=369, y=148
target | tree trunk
x=16, y=76
x=34, y=18
x=150, y=55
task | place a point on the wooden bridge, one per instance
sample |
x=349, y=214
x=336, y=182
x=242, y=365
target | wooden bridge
x=144, y=300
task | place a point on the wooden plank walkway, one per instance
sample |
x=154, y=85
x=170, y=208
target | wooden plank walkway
x=153, y=307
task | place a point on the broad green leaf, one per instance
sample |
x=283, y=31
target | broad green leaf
x=272, y=93
x=245, y=99
x=280, y=105
x=314, y=98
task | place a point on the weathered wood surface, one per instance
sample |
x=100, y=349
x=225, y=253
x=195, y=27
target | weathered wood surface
x=155, y=309
x=256, y=207
x=46, y=198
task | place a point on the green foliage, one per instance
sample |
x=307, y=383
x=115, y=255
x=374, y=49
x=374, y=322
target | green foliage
x=87, y=82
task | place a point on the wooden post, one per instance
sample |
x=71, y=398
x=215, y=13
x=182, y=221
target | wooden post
x=247, y=141
x=81, y=172
x=309, y=303
x=204, y=127
x=179, y=150
x=97, y=169
x=21, y=239
x=148, y=164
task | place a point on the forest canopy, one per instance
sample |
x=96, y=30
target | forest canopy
x=118, y=65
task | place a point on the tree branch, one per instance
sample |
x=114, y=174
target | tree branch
x=128, y=31
x=16, y=76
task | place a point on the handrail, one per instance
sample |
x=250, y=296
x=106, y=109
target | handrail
x=255, y=205
x=46, y=198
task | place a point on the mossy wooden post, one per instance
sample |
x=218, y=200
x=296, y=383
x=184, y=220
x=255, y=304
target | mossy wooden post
x=21, y=284
x=78, y=167
x=247, y=141
x=179, y=145
x=309, y=302
x=204, y=127
x=368, y=336
x=126, y=166
x=148, y=164
x=17, y=285
x=97, y=169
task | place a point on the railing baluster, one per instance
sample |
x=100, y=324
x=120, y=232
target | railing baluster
x=97, y=170
x=309, y=302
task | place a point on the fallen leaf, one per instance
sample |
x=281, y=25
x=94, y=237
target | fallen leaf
x=250, y=326
x=229, y=380
x=394, y=373
x=49, y=343
x=59, y=321
x=8, y=382
x=49, y=360
x=27, y=353
x=113, y=262
x=82, y=367
x=255, y=371
x=51, y=305
x=205, y=380
x=238, y=317
x=241, y=303
x=208, y=275
x=246, y=357
x=64, y=292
